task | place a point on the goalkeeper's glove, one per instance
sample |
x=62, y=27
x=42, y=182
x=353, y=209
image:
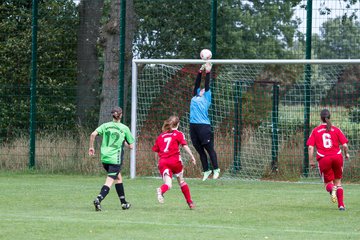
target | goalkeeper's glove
x=208, y=67
x=202, y=68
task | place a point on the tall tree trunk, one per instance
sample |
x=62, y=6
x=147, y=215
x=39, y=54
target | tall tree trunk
x=111, y=42
x=90, y=12
x=129, y=38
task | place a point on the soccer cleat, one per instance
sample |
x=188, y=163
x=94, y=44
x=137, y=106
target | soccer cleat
x=206, y=174
x=341, y=208
x=333, y=194
x=160, y=197
x=97, y=204
x=125, y=206
x=216, y=173
x=191, y=205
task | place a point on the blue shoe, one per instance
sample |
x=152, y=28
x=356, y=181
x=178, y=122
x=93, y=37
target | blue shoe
x=341, y=208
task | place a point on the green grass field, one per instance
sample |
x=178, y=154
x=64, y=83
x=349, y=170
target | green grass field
x=60, y=207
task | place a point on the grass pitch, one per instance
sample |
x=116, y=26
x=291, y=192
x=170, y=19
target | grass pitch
x=60, y=207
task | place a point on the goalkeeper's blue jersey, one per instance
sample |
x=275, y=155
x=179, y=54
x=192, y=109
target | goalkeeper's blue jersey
x=199, y=107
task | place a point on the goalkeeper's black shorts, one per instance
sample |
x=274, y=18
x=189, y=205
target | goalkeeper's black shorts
x=200, y=134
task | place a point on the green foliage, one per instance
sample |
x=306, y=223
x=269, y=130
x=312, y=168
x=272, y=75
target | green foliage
x=339, y=39
x=354, y=114
x=256, y=106
x=56, y=63
x=261, y=29
x=171, y=29
x=264, y=29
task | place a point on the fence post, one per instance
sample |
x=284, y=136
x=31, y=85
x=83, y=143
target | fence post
x=213, y=27
x=237, y=126
x=274, y=128
x=122, y=52
x=307, y=86
x=32, y=129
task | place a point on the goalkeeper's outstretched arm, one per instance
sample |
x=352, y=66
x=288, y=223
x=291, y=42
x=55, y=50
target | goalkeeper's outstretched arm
x=208, y=67
x=197, y=82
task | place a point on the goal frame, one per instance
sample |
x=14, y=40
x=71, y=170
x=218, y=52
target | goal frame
x=134, y=76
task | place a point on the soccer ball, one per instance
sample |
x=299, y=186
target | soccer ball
x=205, y=54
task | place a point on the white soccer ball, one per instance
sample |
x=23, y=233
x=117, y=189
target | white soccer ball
x=205, y=54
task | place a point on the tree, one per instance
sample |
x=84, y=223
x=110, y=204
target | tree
x=172, y=29
x=256, y=29
x=88, y=69
x=57, y=21
x=110, y=41
x=245, y=29
x=338, y=38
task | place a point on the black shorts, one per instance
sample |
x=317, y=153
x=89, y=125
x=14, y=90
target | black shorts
x=112, y=170
x=200, y=134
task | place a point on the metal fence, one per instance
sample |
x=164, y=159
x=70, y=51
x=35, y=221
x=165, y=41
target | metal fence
x=65, y=63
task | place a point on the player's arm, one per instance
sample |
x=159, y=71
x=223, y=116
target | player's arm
x=188, y=150
x=346, y=150
x=91, y=143
x=311, y=156
x=131, y=146
x=198, y=80
x=208, y=67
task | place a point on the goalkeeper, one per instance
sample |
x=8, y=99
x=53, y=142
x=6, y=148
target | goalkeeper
x=200, y=128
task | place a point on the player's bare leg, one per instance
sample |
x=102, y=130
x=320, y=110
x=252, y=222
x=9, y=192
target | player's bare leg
x=164, y=188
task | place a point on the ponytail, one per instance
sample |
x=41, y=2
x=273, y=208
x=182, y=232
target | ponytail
x=116, y=113
x=325, y=118
x=328, y=124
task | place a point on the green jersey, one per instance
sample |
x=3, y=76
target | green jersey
x=114, y=136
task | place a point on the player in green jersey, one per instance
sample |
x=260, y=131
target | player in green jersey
x=115, y=136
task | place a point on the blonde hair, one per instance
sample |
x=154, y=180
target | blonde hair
x=170, y=123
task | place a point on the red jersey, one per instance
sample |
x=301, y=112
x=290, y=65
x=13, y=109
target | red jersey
x=326, y=142
x=167, y=144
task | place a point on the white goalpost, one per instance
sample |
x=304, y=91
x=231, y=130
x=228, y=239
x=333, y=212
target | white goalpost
x=261, y=110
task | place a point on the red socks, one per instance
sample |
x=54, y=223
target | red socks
x=329, y=187
x=186, y=191
x=340, y=196
x=184, y=188
x=164, y=188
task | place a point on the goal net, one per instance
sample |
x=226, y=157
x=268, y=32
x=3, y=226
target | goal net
x=261, y=114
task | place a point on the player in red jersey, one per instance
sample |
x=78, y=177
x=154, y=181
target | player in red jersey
x=167, y=153
x=327, y=139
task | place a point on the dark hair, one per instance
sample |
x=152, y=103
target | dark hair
x=116, y=112
x=325, y=118
x=170, y=123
